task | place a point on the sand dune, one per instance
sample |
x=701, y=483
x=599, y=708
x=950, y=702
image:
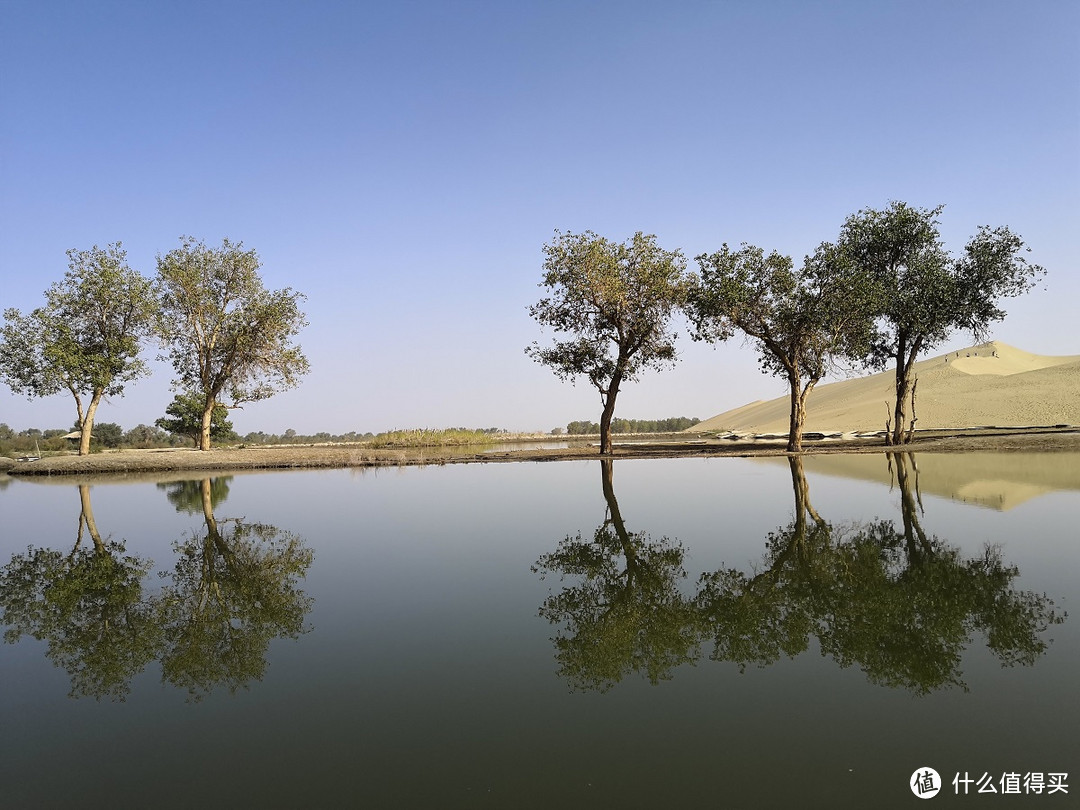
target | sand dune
x=989, y=384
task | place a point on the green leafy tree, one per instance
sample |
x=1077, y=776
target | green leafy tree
x=109, y=434
x=921, y=294
x=87, y=337
x=227, y=335
x=184, y=417
x=143, y=436
x=582, y=428
x=800, y=320
x=614, y=302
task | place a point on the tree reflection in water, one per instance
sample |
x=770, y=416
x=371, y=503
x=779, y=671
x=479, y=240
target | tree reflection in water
x=88, y=605
x=627, y=614
x=898, y=603
x=234, y=588
x=187, y=496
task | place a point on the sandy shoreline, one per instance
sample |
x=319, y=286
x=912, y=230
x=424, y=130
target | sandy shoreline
x=127, y=462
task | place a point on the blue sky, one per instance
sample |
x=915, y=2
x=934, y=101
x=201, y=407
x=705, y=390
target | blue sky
x=403, y=164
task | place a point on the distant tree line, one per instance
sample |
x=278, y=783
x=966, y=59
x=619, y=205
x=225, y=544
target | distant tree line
x=182, y=426
x=618, y=425
x=105, y=435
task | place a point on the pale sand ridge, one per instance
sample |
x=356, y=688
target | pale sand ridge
x=989, y=384
x=995, y=480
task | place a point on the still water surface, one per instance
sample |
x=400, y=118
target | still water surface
x=656, y=633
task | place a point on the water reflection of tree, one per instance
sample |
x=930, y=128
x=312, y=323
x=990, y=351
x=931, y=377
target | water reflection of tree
x=900, y=604
x=627, y=613
x=187, y=496
x=759, y=618
x=234, y=588
x=88, y=605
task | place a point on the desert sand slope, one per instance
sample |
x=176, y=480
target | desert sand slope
x=994, y=480
x=990, y=384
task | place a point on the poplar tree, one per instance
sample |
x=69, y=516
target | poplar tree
x=86, y=339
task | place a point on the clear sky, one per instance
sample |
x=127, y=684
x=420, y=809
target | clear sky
x=403, y=163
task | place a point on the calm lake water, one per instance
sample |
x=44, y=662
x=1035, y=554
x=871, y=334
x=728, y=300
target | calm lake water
x=655, y=633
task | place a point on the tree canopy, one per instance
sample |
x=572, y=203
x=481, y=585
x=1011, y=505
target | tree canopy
x=87, y=337
x=228, y=337
x=799, y=319
x=614, y=303
x=921, y=294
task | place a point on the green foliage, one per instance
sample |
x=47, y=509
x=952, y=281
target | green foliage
x=919, y=293
x=226, y=334
x=799, y=319
x=614, y=303
x=87, y=337
x=144, y=436
x=582, y=428
x=109, y=434
x=185, y=414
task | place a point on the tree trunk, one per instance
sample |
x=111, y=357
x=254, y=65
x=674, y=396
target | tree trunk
x=616, y=519
x=905, y=361
x=903, y=386
x=86, y=515
x=918, y=546
x=607, y=474
x=204, y=433
x=802, y=496
x=910, y=435
x=86, y=428
x=609, y=411
x=206, y=496
x=797, y=419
